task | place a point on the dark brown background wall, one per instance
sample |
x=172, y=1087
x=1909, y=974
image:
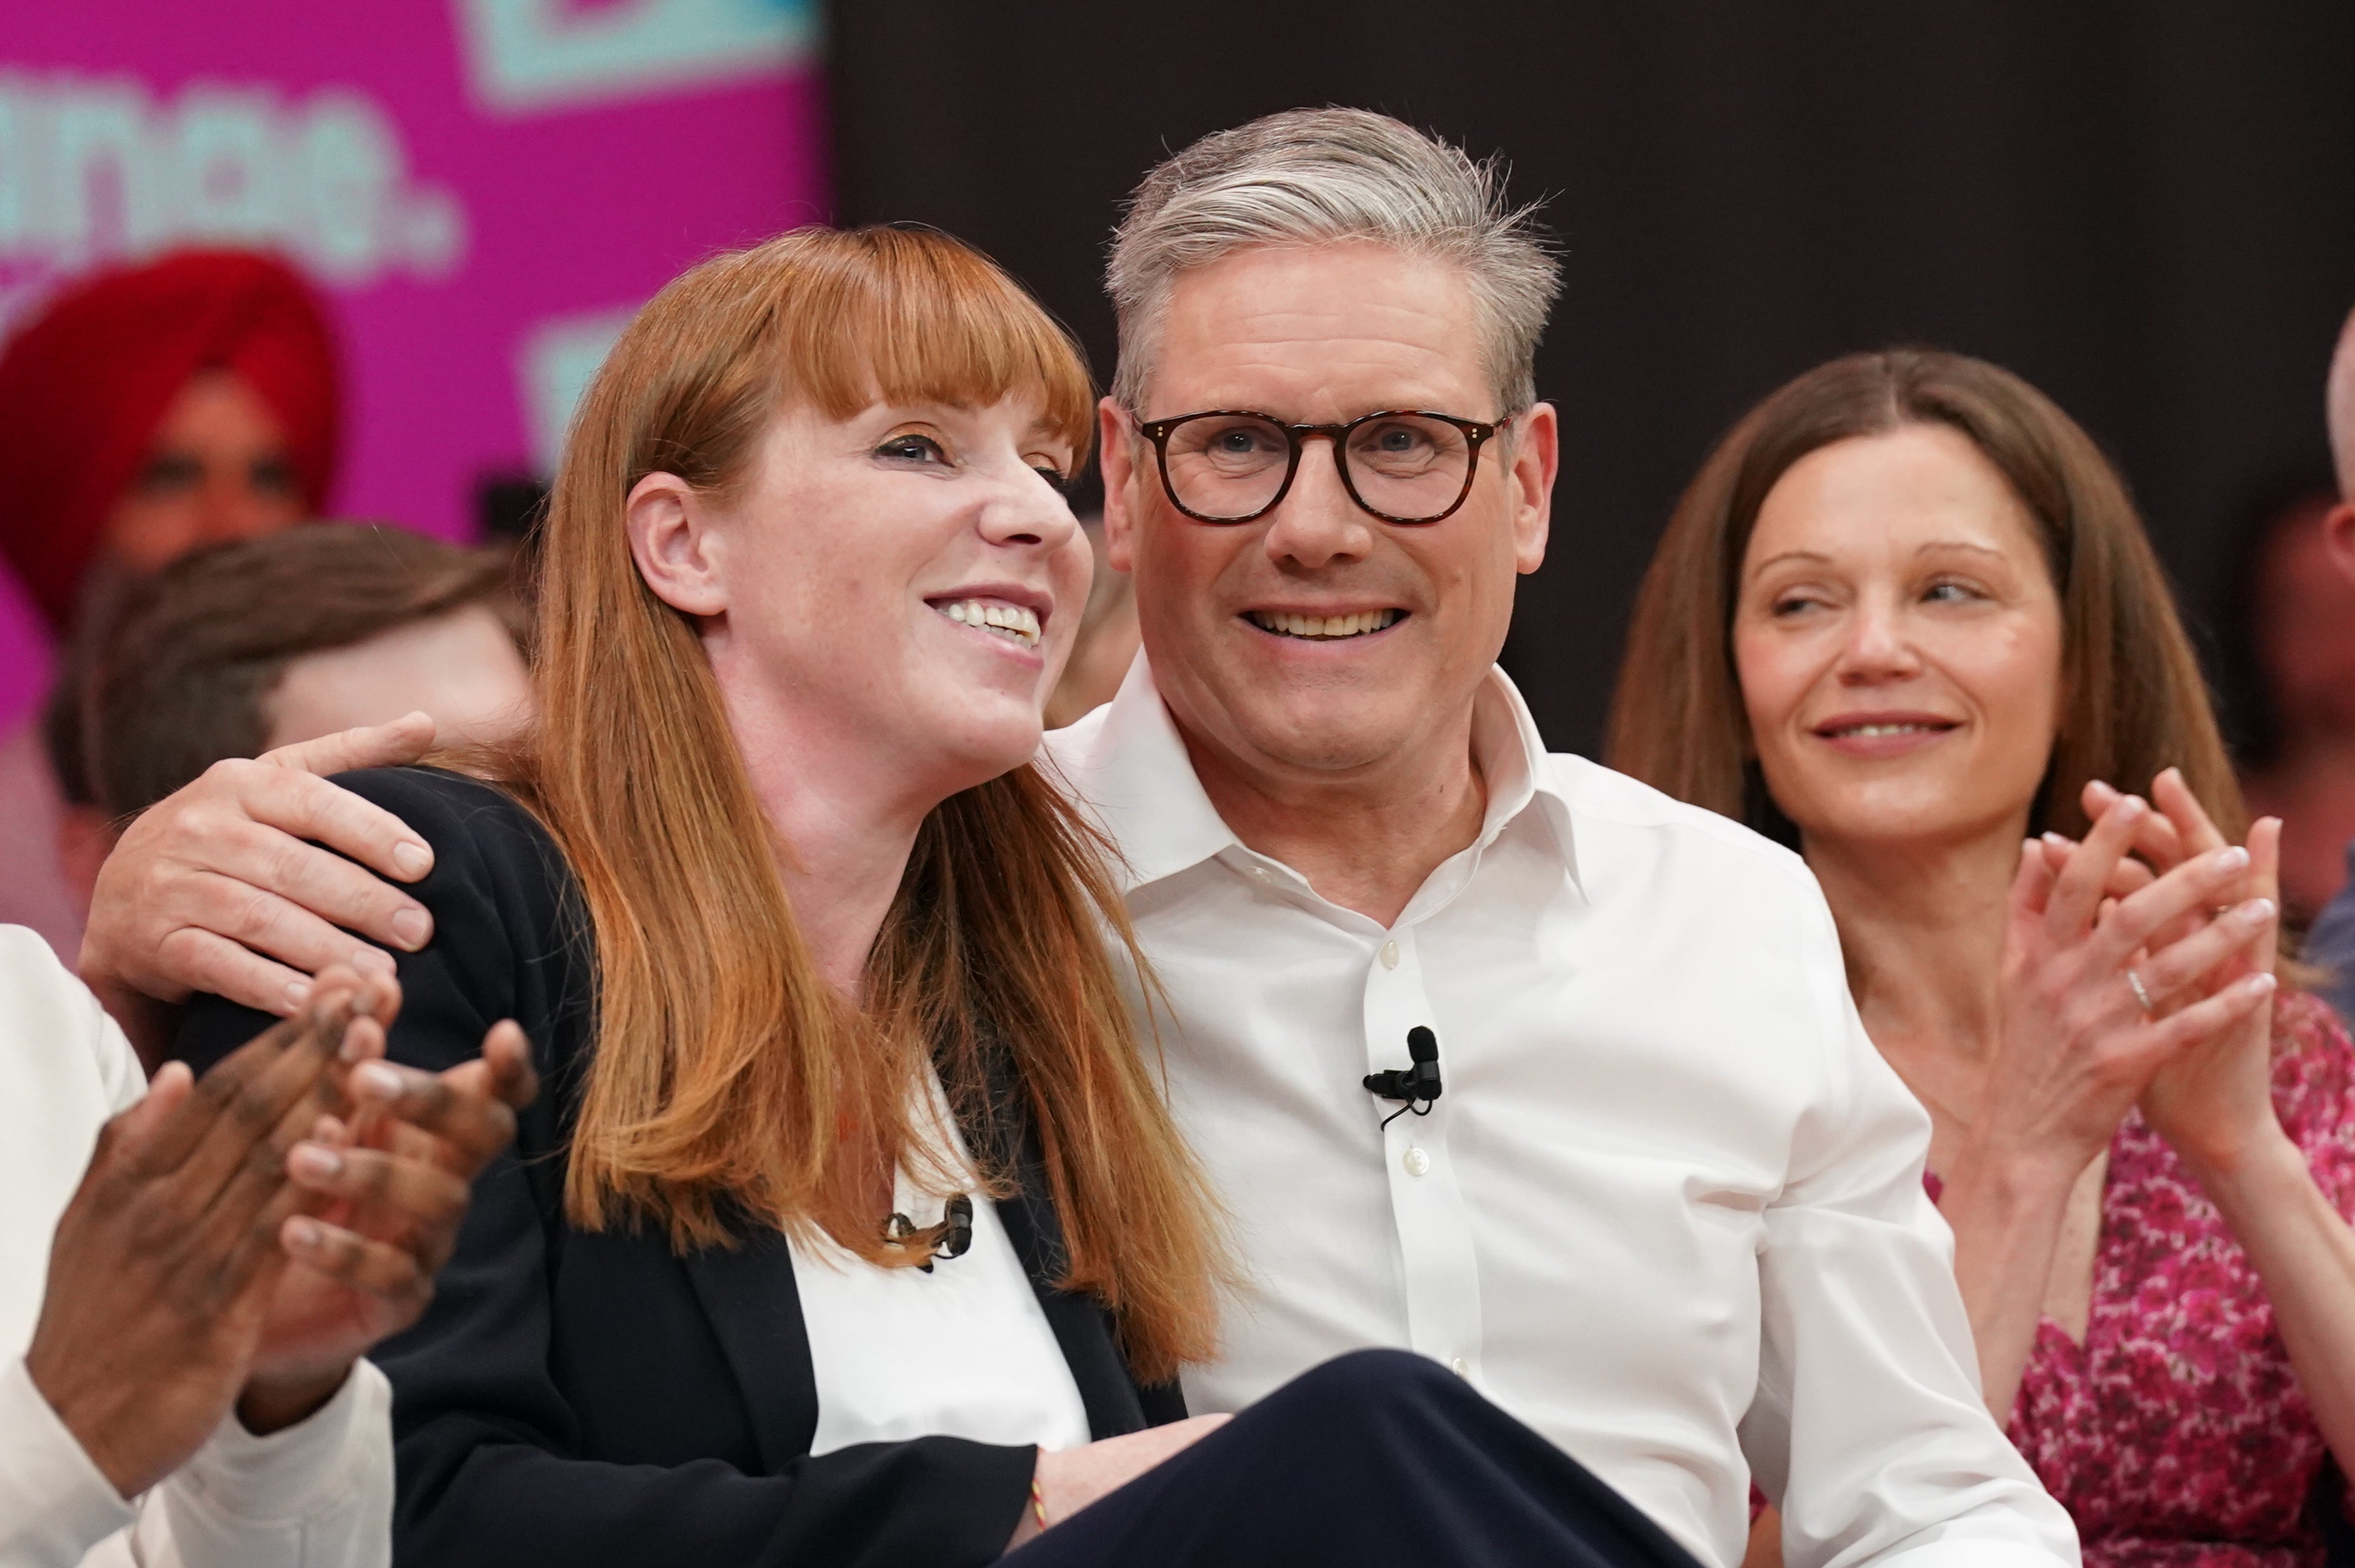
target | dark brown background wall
x=2147, y=209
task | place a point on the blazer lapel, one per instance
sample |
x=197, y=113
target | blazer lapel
x=1081, y=1326
x=748, y=1292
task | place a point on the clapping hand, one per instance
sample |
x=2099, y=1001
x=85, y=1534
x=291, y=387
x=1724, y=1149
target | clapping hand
x=242, y=1239
x=394, y=1180
x=2213, y=1102
x=166, y=1258
x=2091, y=935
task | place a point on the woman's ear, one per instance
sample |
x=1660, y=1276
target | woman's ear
x=669, y=523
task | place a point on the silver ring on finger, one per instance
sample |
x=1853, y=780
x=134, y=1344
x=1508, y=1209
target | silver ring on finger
x=2133, y=984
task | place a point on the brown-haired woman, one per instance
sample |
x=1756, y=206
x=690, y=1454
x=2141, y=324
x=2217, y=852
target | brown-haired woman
x=1904, y=616
x=853, y=1229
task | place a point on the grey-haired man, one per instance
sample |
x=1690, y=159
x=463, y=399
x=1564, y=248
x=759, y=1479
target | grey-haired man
x=1663, y=1201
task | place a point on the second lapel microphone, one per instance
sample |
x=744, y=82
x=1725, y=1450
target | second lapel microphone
x=1417, y=1086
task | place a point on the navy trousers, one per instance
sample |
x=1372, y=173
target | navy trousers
x=1377, y=1457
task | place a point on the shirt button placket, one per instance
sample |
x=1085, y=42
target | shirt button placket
x=1434, y=1235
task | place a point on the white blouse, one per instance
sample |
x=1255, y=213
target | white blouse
x=962, y=1351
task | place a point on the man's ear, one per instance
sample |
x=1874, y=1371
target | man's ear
x=1116, y=455
x=2339, y=537
x=1534, y=452
x=669, y=523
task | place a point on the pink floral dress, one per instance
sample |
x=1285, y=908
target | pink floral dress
x=2175, y=1435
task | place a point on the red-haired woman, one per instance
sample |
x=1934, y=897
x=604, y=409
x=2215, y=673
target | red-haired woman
x=853, y=1229
x=1904, y=618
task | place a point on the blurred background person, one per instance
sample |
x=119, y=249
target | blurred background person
x=241, y=648
x=1905, y=616
x=2286, y=646
x=145, y=411
x=2330, y=946
x=1108, y=639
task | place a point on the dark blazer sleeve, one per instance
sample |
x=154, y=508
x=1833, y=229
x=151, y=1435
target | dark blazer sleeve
x=496, y=1465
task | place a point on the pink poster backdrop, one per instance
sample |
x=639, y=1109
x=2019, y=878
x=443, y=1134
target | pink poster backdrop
x=483, y=190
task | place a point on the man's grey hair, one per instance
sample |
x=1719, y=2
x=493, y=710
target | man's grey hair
x=2338, y=407
x=1311, y=177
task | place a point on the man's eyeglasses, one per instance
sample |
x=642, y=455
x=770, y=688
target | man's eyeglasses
x=1403, y=466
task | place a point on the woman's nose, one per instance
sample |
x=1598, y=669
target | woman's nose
x=1877, y=646
x=1030, y=510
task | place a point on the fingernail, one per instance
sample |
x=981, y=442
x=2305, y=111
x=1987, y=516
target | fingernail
x=2056, y=841
x=2232, y=859
x=374, y=960
x=2258, y=984
x=413, y=858
x=377, y=1079
x=2133, y=805
x=414, y=927
x=310, y=1159
x=297, y=993
x=2256, y=911
x=303, y=1232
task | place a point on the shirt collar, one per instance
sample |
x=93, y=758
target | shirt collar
x=1134, y=774
x=1517, y=769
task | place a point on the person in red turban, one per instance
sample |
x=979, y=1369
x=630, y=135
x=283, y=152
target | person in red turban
x=148, y=410
x=155, y=408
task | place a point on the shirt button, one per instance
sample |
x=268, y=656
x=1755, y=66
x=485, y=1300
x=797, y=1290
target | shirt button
x=1389, y=955
x=1416, y=1162
x=1457, y=1365
x=1261, y=873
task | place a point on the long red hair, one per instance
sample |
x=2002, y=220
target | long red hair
x=729, y=1080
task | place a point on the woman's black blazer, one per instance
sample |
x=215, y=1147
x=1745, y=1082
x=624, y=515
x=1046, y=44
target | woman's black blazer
x=584, y=1399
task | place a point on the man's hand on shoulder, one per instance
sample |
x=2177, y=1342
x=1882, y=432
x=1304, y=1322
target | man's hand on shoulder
x=216, y=888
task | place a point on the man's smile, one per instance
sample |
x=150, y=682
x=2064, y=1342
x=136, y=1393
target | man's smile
x=1348, y=624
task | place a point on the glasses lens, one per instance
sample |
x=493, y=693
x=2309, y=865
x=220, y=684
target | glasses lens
x=1409, y=467
x=1225, y=465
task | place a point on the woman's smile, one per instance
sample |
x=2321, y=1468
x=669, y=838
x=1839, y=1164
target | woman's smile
x=1885, y=735
x=1021, y=625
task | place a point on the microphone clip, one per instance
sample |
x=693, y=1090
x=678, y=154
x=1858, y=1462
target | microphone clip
x=949, y=1239
x=1414, y=1086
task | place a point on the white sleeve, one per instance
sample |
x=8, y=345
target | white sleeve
x=317, y=1494
x=1869, y=1424
x=54, y=1504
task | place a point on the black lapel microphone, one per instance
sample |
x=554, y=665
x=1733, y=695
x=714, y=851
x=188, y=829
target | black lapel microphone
x=1417, y=1086
x=949, y=1239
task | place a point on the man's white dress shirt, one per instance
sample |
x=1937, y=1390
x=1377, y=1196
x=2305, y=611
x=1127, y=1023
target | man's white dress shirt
x=1667, y=1209
x=317, y=1494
